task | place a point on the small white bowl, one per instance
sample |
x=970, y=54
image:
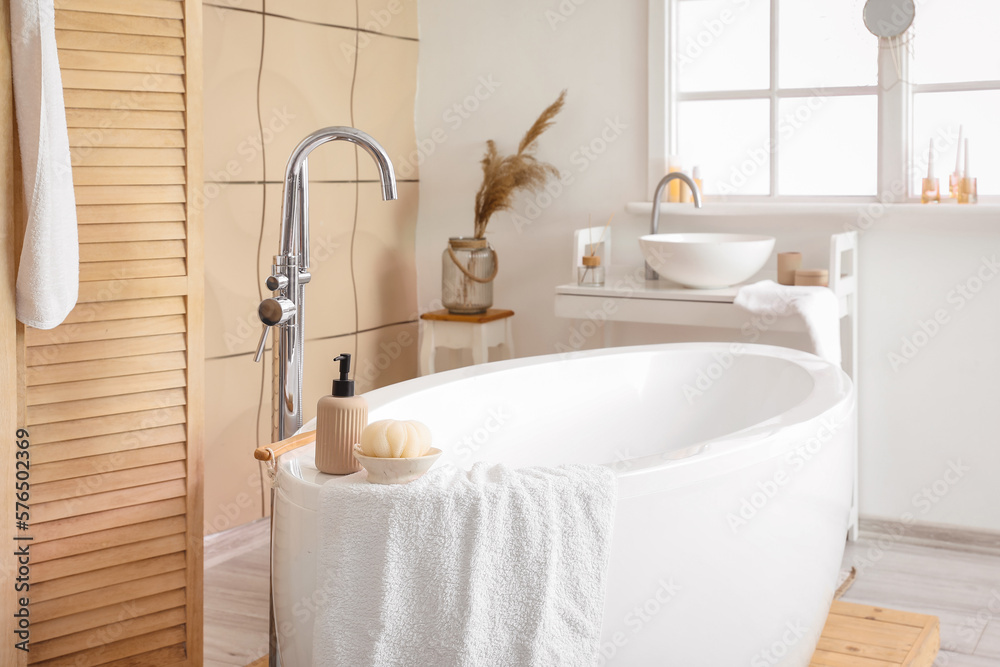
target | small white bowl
x=396, y=471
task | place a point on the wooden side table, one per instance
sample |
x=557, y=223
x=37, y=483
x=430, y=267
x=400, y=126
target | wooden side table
x=476, y=332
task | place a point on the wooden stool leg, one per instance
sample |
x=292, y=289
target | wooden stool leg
x=480, y=348
x=509, y=336
x=427, y=349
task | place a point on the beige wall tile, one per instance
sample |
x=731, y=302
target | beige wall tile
x=232, y=226
x=245, y=5
x=330, y=12
x=330, y=294
x=321, y=370
x=384, y=97
x=232, y=480
x=391, y=17
x=384, y=251
x=386, y=356
x=271, y=195
x=306, y=85
x=232, y=57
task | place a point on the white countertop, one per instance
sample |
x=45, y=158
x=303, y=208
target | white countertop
x=624, y=287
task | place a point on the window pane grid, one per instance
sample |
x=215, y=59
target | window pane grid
x=818, y=167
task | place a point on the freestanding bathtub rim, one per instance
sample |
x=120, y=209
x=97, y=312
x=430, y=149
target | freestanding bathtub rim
x=832, y=395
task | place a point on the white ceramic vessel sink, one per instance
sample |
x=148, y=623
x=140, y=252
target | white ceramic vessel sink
x=706, y=261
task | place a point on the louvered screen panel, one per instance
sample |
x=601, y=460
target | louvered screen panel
x=114, y=393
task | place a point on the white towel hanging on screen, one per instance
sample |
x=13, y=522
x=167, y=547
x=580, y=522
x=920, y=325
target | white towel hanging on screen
x=48, y=277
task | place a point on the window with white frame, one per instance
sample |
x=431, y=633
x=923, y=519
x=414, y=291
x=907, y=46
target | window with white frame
x=784, y=98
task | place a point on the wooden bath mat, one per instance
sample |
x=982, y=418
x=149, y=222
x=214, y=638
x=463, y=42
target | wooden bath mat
x=858, y=635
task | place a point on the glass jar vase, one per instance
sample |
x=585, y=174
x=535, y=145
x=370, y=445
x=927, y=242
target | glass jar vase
x=468, y=267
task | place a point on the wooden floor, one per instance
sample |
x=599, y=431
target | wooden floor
x=958, y=584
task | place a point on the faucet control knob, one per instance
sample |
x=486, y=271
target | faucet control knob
x=276, y=282
x=275, y=311
x=272, y=312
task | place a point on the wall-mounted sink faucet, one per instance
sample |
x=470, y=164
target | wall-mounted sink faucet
x=290, y=272
x=654, y=223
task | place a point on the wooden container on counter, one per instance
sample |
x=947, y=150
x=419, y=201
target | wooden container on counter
x=812, y=277
x=788, y=264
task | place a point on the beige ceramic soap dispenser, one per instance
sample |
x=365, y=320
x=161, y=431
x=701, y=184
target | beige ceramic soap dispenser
x=340, y=419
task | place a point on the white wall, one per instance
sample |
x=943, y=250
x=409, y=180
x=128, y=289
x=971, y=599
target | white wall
x=940, y=409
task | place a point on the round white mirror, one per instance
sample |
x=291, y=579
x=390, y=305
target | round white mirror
x=888, y=18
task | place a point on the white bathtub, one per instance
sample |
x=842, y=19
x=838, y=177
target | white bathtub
x=734, y=489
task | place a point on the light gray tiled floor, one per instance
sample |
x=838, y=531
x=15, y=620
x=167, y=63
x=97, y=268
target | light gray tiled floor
x=236, y=610
x=949, y=659
x=961, y=588
x=989, y=642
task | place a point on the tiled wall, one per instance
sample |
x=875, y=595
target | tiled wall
x=325, y=62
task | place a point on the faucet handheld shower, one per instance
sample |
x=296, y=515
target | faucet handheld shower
x=290, y=271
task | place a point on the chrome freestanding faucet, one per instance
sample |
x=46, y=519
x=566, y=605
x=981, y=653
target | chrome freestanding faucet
x=290, y=273
x=654, y=223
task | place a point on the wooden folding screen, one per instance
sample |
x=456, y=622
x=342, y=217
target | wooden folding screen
x=114, y=395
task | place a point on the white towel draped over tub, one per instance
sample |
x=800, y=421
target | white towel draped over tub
x=48, y=278
x=817, y=306
x=489, y=567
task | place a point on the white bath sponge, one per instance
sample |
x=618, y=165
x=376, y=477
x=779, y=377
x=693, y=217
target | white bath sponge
x=391, y=439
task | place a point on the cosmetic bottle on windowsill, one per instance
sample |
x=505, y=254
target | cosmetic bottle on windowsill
x=930, y=191
x=955, y=177
x=967, y=193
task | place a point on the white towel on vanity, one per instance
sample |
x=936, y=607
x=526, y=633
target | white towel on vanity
x=817, y=306
x=493, y=566
x=49, y=274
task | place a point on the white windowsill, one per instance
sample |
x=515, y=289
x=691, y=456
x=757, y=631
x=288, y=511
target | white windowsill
x=711, y=208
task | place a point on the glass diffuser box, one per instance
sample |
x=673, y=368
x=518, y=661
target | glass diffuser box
x=591, y=242
x=591, y=273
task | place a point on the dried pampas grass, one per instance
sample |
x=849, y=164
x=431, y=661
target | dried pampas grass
x=503, y=176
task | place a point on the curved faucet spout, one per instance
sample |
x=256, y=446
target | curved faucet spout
x=654, y=223
x=290, y=272
x=295, y=203
x=339, y=133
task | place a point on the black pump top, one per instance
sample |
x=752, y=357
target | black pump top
x=343, y=387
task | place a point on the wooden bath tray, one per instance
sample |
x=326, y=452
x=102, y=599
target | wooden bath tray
x=859, y=635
